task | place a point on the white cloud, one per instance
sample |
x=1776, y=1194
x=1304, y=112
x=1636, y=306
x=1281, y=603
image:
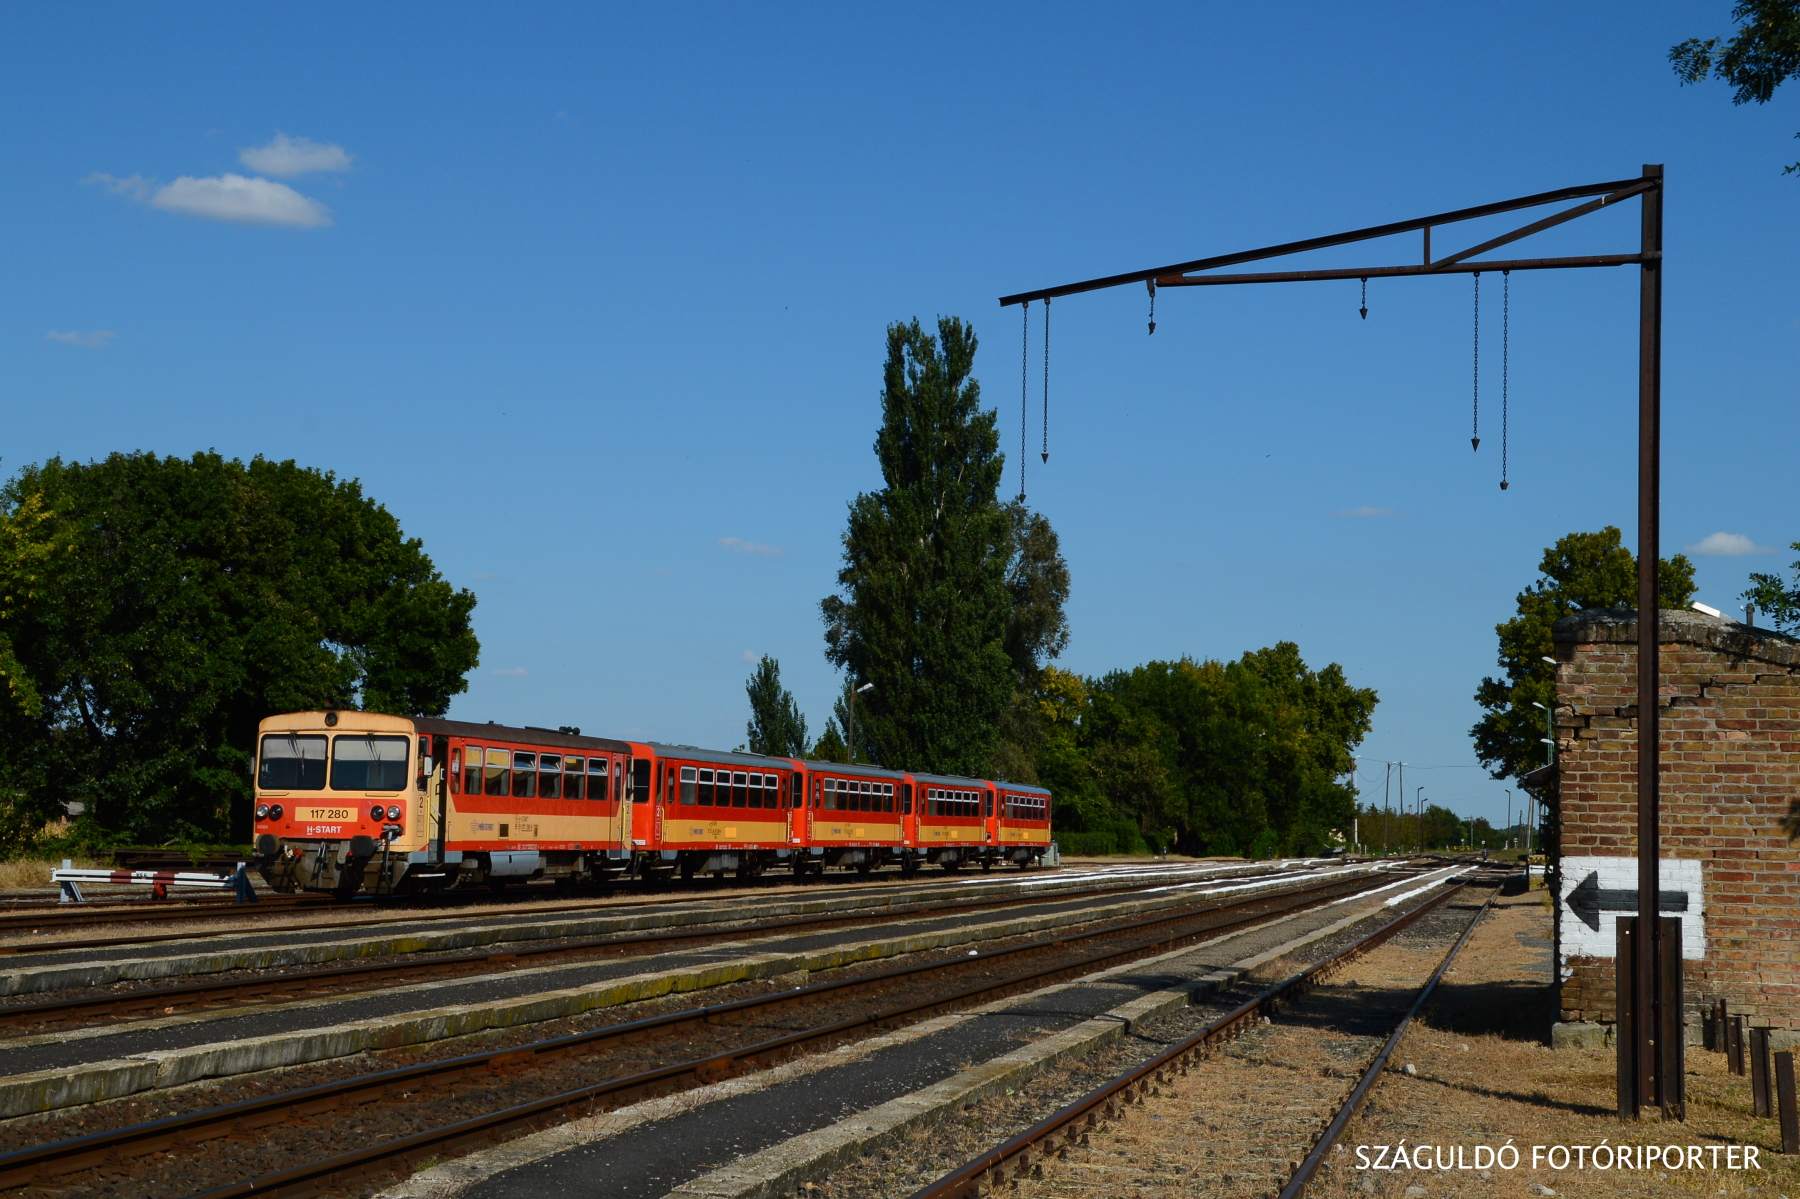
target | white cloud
x=517, y=672
x=227, y=197
x=749, y=655
x=135, y=186
x=245, y=201
x=1366, y=511
x=1728, y=545
x=93, y=339
x=291, y=157
x=739, y=546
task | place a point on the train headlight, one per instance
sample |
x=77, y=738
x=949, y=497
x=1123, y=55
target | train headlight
x=394, y=812
x=375, y=812
x=274, y=811
x=262, y=811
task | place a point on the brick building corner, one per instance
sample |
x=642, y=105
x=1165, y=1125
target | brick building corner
x=1730, y=769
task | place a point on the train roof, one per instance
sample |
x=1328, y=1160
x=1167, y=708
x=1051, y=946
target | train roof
x=527, y=734
x=857, y=768
x=694, y=753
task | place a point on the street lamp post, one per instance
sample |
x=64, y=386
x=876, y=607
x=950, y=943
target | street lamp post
x=854, y=692
x=1509, y=816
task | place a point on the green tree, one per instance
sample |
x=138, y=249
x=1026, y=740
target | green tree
x=776, y=725
x=1582, y=570
x=924, y=608
x=830, y=746
x=184, y=600
x=1776, y=600
x=1763, y=55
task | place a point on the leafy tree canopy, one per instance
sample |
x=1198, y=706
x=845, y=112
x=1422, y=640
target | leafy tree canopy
x=1215, y=757
x=1582, y=570
x=925, y=604
x=776, y=725
x=156, y=609
x=1763, y=54
x=1776, y=599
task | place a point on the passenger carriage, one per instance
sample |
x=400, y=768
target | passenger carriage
x=359, y=801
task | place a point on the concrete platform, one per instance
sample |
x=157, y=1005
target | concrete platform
x=764, y=1135
x=53, y=970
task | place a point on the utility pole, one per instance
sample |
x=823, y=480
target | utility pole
x=1419, y=815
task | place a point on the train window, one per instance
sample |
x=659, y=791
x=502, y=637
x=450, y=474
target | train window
x=366, y=762
x=640, y=780
x=292, y=763
x=754, y=788
x=829, y=800
x=524, y=775
x=597, y=778
x=818, y=791
x=455, y=772
x=771, y=791
x=574, y=772
x=887, y=797
x=987, y=803
x=906, y=799
x=706, y=788
x=781, y=792
x=689, y=786
x=740, y=789
x=549, y=776
x=472, y=770
x=871, y=797
x=498, y=777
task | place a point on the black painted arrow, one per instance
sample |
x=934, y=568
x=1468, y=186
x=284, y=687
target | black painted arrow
x=1588, y=900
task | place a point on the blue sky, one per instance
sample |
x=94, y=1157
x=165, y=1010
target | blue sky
x=593, y=299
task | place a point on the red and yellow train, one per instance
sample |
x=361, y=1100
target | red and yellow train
x=358, y=801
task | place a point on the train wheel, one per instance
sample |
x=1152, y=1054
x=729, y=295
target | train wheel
x=687, y=870
x=864, y=867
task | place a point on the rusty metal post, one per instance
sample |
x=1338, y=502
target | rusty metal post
x=1639, y=1068
x=1626, y=1017
x=1784, y=1093
x=1671, y=1035
x=1734, y=1045
x=1760, y=1104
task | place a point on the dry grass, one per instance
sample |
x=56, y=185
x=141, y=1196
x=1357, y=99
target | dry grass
x=27, y=874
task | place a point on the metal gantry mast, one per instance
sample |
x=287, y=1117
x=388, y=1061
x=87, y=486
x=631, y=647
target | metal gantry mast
x=1650, y=1018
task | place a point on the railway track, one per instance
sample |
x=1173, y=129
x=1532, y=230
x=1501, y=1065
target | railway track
x=1114, y=883
x=1023, y=1157
x=363, y=976
x=935, y=985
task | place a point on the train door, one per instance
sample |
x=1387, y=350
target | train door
x=644, y=808
x=440, y=801
x=991, y=822
x=909, y=829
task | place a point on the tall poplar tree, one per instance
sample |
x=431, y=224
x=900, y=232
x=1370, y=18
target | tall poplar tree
x=924, y=608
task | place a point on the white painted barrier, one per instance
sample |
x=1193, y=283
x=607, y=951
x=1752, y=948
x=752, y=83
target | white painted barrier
x=69, y=879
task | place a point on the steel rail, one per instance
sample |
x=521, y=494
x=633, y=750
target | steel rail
x=373, y=919
x=1297, y=1184
x=45, y=1162
x=1133, y=1086
x=383, y=973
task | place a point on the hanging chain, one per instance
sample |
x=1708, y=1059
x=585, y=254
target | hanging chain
x=1505, y=363
x=1475, y=430
x=1046, y=379
x=1365, y=300
x=1151, y=284
x=1024, y=386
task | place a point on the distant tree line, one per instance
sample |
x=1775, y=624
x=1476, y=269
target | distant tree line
x=951, y=603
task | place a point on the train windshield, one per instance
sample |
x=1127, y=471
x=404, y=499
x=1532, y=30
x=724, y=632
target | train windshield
x=292, y=763
x=366, y=762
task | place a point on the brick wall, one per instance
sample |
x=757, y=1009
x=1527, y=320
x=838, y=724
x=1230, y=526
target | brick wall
x=1730, y=770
